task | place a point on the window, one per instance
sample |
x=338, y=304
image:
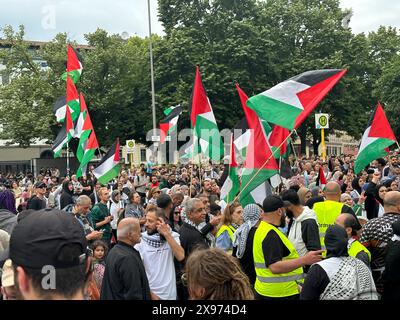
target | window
x=143, y=155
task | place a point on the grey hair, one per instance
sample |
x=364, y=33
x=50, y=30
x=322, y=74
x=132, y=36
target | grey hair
x=83, y=200
x=125, y=230
x=190, y=204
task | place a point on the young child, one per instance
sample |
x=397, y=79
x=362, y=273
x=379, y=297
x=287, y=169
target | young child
x=99, y=253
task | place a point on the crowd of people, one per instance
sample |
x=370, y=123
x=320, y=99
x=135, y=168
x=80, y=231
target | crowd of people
x=162, y=232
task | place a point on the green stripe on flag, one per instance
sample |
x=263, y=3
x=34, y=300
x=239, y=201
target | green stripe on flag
x=274, y=111
x=261, y=178
x=371, y=152
x=109, y=175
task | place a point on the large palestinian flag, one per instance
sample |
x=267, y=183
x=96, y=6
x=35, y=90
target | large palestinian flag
x=203, y=121
x=168, y=125
x=231, y=186
x=109, y=167
x=74, y=65
x=378, y=136
x=260, y=165
x=290, y=102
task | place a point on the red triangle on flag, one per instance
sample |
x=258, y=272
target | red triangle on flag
x=258, y=150
x=279, y=135
x=321, y=176
x=116, y=154
x=310, y=97
x=92, y=142
x=380, y=127
x=87, y=124
x=164, y=127
x=73, y=61
x=72, y=93
x=199, y=103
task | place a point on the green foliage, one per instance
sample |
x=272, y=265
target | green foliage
x=256, y=43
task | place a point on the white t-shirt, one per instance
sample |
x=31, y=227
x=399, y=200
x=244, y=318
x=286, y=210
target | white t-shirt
x=114, y=208
x=160, y=268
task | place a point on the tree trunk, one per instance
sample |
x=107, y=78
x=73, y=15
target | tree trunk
x=316, y=140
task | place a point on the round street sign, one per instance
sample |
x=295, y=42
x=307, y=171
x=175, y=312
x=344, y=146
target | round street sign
x=322, y=121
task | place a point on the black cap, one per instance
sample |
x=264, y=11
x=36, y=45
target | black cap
x=273, y=203
x=40, y=184
x=48, y=237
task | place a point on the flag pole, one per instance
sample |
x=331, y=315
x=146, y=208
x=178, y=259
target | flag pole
x=262, y=167
x=68, y=172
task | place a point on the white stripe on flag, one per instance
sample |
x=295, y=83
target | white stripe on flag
x=105, y=167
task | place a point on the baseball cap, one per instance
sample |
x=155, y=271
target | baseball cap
x=48, y=237
x=273, y=203
x=290, y=196
x=40, y=184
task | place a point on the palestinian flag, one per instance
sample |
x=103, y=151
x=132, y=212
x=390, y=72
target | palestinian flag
x=203, y=121
x=73, y=99
x=64, y=136
x=378, y=136
x=168, y=125
x=242, y=134
x=109, y=167
x=90, y=149
x=290, y=102
x=74, y=65
x=276, y=138
x=84, y=129
x=231, y=186
x=260, y=165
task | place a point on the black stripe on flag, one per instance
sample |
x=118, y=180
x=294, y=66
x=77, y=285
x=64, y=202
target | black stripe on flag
x=174, y=113
x=61, y=102
x=313, y=77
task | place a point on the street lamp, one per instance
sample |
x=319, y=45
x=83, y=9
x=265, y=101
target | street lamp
x=153, y=98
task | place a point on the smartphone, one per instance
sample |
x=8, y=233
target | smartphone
x=102, y=230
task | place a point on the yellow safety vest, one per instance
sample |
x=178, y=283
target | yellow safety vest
x=326, y=213
x=356, y=247
x=267, y=283
x=231, y=230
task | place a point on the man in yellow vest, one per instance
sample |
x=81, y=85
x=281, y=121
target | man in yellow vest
x=278, y=266
x=330, y=209
x=354, y=247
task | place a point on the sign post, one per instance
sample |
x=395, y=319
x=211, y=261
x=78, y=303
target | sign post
x=322, y=122
x=130, y=147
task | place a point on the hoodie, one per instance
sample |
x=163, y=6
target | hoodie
x=304, y=233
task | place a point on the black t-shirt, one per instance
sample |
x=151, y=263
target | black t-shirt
x=247, y=260
x=274, y=249
x=316, y=282
x=36, y=204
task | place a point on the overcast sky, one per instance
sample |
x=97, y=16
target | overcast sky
x=43, y=19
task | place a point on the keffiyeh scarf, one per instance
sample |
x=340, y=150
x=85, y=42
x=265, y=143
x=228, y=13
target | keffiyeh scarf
x=353, y=281
x=153, y=240
x=251, y=215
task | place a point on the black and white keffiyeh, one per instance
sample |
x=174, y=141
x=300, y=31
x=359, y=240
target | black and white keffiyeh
x=251, y=215
x=210, y=237
x=353, y=281
x=153, y=240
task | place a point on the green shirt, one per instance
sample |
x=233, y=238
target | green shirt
x=98, y=214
